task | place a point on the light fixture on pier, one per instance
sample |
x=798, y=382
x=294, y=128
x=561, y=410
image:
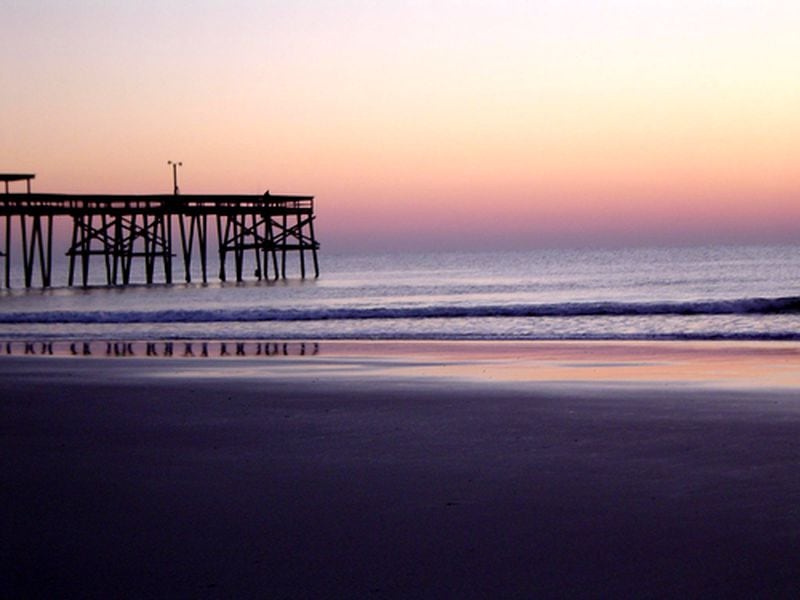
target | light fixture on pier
x=175, y=166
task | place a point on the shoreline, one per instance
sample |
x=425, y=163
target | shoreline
x=761, y=364
x=404, y=470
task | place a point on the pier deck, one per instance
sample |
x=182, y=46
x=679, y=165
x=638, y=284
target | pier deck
x=120, y=229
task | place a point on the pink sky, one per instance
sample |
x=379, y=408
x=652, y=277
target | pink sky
x=463, y=124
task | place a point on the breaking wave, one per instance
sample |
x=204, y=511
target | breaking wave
x=745, y=306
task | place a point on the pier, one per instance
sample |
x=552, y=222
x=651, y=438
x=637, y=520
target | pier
x=162, y=232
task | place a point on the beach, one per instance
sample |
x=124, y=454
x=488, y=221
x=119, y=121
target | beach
x=404, y=469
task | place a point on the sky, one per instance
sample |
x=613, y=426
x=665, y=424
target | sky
x=424, y=125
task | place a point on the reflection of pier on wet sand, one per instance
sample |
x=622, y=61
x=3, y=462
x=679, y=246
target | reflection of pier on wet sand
x=165, y=349
x=123, y=229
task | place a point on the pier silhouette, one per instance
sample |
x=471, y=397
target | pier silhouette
x=122, y=229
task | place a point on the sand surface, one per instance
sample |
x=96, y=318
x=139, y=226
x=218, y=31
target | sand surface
x=404, y=470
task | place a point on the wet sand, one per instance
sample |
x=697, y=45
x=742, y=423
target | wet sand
x=460, y=470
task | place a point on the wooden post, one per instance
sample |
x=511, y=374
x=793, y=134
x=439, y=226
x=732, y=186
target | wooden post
x=25, y=261
x=167, y=247
x=71, y=252
x=202, y=236
x=273, y=248
x=285, y=235
x=186, y=245
x=314, y=245
x=86, y=246
x=257, y=245
x=238, y=243
x=149, y=259
x=301, y=245
x=49, y=249
x=8, y=246
x=118, y=259
x=126, y=241
x=107, y=249
x=221, y=241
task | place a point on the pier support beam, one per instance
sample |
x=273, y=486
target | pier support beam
x=119, y=239
x=39, y=245
x=237, y=234
x=89, y=240
x=191, y=226
x=6, y=252
x=297, y=237
x=10, y=207
x=150, y=240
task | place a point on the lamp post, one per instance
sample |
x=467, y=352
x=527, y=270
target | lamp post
x=175, y=166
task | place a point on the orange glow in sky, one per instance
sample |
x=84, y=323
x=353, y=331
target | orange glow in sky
x=452, y=124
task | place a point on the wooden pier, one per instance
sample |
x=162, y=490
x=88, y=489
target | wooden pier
x=119, y=230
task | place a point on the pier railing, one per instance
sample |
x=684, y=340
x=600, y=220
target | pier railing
x=69, y=204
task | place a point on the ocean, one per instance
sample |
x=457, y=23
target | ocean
x=707, y=293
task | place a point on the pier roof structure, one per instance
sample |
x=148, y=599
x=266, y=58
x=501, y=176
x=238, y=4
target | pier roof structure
x=7, y=178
